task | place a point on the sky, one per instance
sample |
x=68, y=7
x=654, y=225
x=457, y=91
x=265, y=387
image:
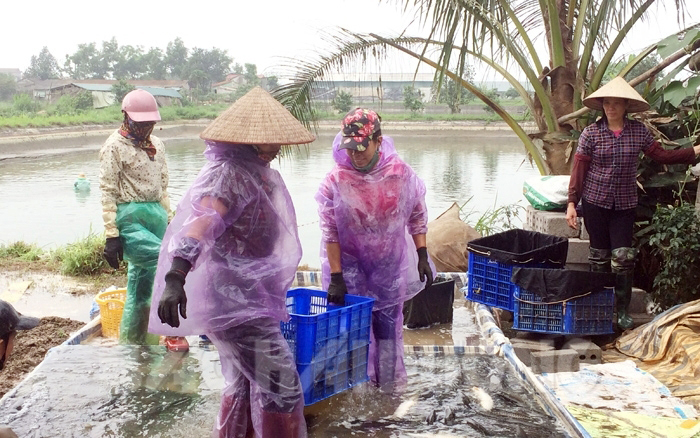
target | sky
x=262, y=32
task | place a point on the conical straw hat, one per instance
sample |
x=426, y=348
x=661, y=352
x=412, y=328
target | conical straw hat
x=617, y=87
x=257, y=118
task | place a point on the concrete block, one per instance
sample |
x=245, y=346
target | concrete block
x=543, y=342
x=530, y=212
x=638, y=303
x=550, y=338
x=555, y=361
x=578, y=251
x=550, y=222
x=588, y=352
x=523, y=348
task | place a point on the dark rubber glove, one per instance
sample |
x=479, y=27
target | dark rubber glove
x=174, y=299
x=337, y=289
x=424, y=271
x=114, y=252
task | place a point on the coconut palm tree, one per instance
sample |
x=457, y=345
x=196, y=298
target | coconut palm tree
x=503, y=35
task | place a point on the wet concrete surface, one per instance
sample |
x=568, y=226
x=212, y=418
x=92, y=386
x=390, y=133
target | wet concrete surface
x=130, y=391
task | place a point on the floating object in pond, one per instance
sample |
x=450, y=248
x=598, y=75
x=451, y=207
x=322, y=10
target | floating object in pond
x=403, y=408
x=81, y=184
x=432, y=416
x=484, y=399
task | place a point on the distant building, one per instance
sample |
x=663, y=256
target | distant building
x=235, y=80
x=365, y=87
x=15, y=72
x=43, y=89
x=368, y=87
x=228, y=85
x=166, y=92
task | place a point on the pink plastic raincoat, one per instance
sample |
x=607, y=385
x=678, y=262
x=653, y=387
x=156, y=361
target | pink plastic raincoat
x=242, y=265
x=373, y=217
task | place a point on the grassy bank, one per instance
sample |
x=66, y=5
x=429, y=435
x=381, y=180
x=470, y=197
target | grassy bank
x=55, y=115
x=82, y=259
x=105, y=116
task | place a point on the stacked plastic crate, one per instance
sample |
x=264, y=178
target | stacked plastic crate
x=492, y=262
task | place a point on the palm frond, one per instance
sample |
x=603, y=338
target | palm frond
x=605, y=61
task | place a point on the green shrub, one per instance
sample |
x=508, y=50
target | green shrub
x=342, y=102
x=24, y=103
x=20, y=250
x=83, y=257
x=65, y=105
x=675, y=239
x=121, y=89
x=413, y=100
x=494, y=220
x=83, y=100
x=71, y=105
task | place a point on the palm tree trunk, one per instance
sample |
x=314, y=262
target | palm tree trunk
x=560, y=83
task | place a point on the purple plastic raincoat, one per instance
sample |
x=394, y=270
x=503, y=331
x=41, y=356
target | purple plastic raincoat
x=373, y=217
x=246, y=260
x=244, y=257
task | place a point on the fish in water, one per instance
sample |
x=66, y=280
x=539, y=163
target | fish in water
x=432, y=416
x=466, y=401
x=520, y=433
x=404, y=407
x=483, y=397
x=479, y=428
x=449, y=416
x=511, y=399
x=430, y=435
x=426, y=395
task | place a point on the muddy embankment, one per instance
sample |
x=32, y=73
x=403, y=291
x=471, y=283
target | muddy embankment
x=34, y=143
x=38, y=143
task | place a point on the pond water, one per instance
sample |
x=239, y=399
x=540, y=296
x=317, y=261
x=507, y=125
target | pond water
x=486, y=168
x=129, y=391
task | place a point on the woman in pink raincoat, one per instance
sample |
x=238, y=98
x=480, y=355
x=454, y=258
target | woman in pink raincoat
x=234, y=239
x=374, y=220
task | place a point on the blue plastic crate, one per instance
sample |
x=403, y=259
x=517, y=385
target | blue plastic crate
x=329, y=343
x=489, y=281
x=588, y=315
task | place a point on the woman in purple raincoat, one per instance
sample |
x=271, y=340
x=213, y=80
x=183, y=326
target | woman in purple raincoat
x=374, y=220
x=234, y=239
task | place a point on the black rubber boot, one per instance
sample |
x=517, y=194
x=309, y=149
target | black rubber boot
x=623, y=295
x=623, y=266
x=599, y=260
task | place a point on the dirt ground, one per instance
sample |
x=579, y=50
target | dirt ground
x=63, y=304
x=31, y=347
